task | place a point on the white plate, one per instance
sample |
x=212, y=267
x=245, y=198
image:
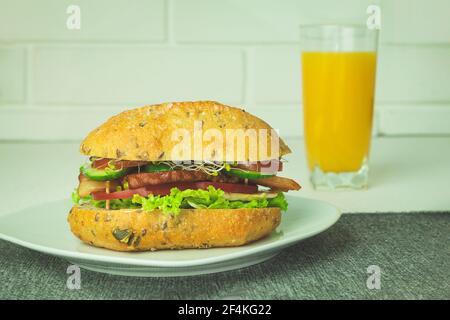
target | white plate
x=44, y=228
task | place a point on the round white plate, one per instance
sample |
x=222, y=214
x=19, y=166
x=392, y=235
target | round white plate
x=44, y=228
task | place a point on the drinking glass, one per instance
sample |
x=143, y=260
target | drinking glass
x=338, y=72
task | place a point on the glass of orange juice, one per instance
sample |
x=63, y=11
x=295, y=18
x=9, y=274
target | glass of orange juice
x=338, y=71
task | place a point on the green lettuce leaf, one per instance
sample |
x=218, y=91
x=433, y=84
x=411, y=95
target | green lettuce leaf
x=279, y=201
x=211, y=198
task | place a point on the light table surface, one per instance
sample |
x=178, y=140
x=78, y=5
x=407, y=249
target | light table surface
x=411, y=249
x=406, y=174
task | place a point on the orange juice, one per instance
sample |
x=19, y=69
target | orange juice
x=338, y=95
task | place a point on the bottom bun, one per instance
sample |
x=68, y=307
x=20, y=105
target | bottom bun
x=137, y=230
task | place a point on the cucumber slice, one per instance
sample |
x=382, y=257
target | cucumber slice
x=102, y=174
x=248, y=174
x=156, y=168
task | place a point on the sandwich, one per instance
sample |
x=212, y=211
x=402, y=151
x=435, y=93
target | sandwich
x=180, y=175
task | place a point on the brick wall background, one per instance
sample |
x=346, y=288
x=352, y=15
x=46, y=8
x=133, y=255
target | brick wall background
x=57, y=84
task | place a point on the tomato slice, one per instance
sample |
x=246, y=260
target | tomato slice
x=164, y=189
x=125, y=194
x=161, y=189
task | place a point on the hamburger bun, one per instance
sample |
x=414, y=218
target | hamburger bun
x=137, y=230
x=145, y=133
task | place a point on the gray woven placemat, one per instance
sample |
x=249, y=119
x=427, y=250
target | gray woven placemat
x=412, y=251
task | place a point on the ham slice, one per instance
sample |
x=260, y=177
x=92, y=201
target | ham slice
x=277, y=183
x=137, y=180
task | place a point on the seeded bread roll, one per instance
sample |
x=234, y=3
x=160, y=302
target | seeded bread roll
x=137, y=230
x=146, y=133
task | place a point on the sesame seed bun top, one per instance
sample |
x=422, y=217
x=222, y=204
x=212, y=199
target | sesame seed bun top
x=153, y=132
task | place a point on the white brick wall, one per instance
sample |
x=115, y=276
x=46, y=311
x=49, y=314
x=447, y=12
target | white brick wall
x=277, y=75
x=414, y=74
x=58, y=84
x=131, y=76
x=12, y=74
x=255, y=21
x=102, y=20
x=416, y=21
